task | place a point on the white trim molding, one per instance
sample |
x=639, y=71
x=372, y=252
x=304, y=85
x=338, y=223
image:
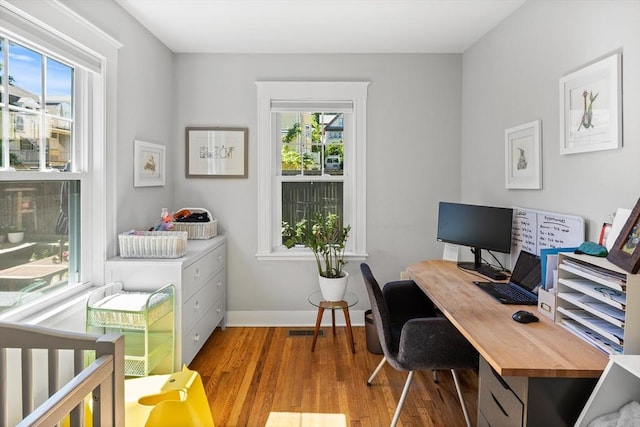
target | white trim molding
x=271, y=95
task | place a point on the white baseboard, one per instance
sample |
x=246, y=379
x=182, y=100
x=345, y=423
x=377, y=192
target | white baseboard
x=290, y=318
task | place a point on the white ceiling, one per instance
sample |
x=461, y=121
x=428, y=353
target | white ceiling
x=319, y=26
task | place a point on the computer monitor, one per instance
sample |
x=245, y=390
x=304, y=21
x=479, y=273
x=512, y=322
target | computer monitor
x=479, y=227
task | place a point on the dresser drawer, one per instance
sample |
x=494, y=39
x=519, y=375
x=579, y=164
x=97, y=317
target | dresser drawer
x=204, y=298
x=219, y=257
x=199, y=272
x=497, y=402
x=219, y=310
x=195, y=338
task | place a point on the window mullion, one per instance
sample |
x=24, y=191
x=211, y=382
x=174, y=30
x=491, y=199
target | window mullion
x=42, y=152
x=4, y=135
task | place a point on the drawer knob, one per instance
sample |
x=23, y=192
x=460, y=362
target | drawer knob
x=219, y=283
x=196, y=338
x=197, y=305
x=218, y=310
x=197, y=273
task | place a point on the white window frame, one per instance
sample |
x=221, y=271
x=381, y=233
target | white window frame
x=354, y=172
x=53, y=28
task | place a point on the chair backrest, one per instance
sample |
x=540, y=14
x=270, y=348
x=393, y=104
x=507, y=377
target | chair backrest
x=380, y=311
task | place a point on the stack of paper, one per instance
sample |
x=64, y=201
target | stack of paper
x=591, y=337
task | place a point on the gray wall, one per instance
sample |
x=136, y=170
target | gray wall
x=435, y=132
x=145, y=109
x=412, y=161
x=511, y=77
x=413, y=151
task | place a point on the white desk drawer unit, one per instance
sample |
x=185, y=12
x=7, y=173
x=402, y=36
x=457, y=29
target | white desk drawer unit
x=201, y=295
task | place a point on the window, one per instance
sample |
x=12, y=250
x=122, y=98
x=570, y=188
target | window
x=50, y=104
x=311, y=166
x=39, y=105
x=311, y=148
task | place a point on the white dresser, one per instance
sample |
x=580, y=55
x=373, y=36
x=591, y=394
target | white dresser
x=201, y=290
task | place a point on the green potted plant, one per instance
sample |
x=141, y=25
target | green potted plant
x=327, y=238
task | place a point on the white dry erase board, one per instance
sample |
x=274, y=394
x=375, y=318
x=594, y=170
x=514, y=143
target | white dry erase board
x=534, y=230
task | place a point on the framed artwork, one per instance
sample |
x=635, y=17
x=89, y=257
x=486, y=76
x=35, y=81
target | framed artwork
x=625, y=252
x=148, y=164
x=591, y=107
x=216, y=152
x=523, y=161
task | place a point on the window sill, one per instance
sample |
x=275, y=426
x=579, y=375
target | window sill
x=42, y=309
x=302, y=255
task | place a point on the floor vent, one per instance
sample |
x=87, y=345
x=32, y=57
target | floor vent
x=304, y=333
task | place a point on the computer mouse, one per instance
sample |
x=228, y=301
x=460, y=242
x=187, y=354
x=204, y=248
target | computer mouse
x=523, y=316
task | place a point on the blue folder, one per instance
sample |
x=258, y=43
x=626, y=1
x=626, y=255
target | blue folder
x=543, y=261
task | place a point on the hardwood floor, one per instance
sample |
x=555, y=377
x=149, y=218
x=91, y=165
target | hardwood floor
x=250, y=372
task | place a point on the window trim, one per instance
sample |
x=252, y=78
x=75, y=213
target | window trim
x=96, y=54
x=354, y=175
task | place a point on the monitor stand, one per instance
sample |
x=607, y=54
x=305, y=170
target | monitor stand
x=484, y=269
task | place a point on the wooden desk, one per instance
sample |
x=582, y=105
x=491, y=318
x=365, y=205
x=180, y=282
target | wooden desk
x=540, y=349
x=542, y=362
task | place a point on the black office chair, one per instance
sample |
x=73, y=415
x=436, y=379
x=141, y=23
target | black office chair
x=412, y=335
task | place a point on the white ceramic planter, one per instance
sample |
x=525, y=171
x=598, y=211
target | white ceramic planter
x=16, y=237
x=333, y=289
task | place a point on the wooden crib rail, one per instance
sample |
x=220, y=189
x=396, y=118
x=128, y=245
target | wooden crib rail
x=104, y=377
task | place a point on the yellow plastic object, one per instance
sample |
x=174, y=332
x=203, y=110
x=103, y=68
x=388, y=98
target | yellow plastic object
x=179, y=401
x=88, y=418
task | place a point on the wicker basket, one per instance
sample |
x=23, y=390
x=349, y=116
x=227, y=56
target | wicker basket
x=153, y=244
x=198, y=230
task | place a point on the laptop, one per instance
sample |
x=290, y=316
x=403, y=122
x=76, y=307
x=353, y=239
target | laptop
x=522, y=288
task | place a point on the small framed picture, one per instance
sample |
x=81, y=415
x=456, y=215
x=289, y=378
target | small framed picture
x=216, y=152
x=625, y=252
x=148, y=164
x=523, y=161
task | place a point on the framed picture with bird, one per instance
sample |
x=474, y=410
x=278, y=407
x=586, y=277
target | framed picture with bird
x=591, y=107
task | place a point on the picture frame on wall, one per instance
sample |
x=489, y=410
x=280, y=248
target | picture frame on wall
x=523, y=160
x=216, y=152
x=591, y=107
x=625, y=252
x=148, y=164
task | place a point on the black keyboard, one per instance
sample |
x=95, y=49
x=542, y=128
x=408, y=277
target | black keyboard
x=511, y=293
